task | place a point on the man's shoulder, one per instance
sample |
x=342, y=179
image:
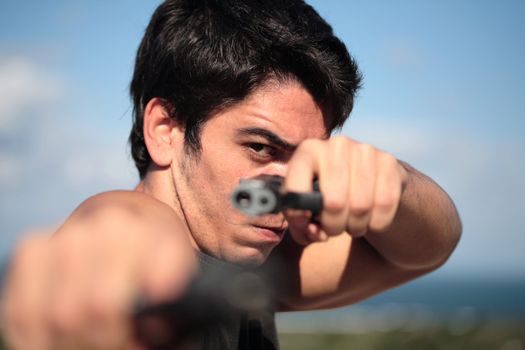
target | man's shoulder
x=128, y=205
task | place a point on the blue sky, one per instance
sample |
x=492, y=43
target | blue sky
x=444, y=89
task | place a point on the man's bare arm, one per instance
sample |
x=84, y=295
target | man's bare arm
x=344, y=270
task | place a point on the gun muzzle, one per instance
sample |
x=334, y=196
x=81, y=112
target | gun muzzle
x=264, y=195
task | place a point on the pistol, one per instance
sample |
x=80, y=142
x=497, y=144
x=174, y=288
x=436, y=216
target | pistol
x=264, y=195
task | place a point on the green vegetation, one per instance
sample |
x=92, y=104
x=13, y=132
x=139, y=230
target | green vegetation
x=509, y=336
x=481, y=337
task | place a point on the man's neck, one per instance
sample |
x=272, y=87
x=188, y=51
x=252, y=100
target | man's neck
x=158, y=184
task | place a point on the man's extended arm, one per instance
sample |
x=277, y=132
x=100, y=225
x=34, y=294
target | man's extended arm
x=345, y=269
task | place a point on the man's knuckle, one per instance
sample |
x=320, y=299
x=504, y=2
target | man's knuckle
x=356, y=225
x=360, y=206
x=335, y=230
x=338, y=151
x=335, y=227
x=380, y=223
x=388, y=160
x=385, y=202
x=334, y=204
x=378, y=227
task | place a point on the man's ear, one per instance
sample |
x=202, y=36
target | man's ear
x=162, y=135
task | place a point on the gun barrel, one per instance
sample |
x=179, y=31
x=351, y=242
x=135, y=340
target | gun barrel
x=263, y=195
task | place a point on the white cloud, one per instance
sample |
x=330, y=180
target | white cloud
x=53, y=139
x=104, y=165
x=397, y=138
x=10, y=170
x=51, y=157
x=24, y=87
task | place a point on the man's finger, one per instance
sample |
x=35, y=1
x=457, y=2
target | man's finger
x=334, y=183
x=387, y=197
x=302, y=168
x=298, y=221
x=362, y=189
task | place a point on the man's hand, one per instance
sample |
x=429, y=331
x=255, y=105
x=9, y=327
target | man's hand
x=76, y=289
x=361, y=188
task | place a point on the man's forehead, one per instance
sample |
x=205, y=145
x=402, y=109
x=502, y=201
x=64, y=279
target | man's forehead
x=286, y=107
x=291, y=129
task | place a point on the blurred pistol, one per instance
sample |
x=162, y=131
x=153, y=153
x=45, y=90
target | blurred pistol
x=264, y=195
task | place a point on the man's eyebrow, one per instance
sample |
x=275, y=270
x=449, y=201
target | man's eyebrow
x=269, y=136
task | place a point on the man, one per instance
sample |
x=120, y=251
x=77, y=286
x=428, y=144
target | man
x=225, y=91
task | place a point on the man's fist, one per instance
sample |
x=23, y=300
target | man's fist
x=76, y=289
x=361, y=188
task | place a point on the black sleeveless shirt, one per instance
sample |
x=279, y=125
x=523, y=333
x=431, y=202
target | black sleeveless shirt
x=243, y=330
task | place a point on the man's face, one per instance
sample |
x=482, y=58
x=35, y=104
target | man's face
x=254, y=137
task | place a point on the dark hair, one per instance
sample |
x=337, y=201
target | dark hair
x=200, y=56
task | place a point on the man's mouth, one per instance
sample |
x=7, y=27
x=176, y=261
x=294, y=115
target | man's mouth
x=271, y=232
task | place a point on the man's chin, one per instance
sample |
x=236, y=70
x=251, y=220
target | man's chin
x=250, y=257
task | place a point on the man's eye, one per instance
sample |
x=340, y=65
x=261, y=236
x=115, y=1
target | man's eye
x=263, y=150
